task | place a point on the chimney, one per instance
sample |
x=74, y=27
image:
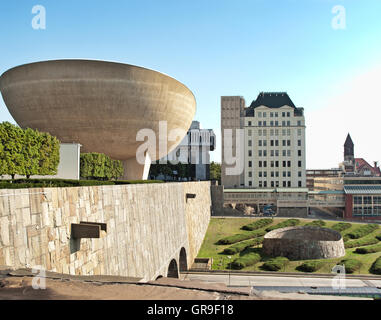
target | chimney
x=375, y=164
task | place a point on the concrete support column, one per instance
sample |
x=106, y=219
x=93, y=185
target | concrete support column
x=133, y=170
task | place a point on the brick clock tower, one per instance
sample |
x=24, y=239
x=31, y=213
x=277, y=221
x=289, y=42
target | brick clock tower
x=349, y=157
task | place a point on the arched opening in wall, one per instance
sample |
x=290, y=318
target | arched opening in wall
x=183, y=260
x=173, y=271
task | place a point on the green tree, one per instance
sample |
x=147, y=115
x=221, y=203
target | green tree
x=100, y=166
x=215, y=171
x=31, y=151
x=12, y=157
x=49, y=154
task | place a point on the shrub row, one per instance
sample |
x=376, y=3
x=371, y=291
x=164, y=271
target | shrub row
x=275, y=264
x=361, y=242
x=95, y=165
x=369, y=249
x=53, y=183
x=248, y=259
x=310, y=266
x=27, y=151
x=240, y=246
x=257, y=224
x=241, y=236
x=283, y=224
x=362, y=231
x=351, y=265
x=341, y=226
x=376, y=266
x=316, y=223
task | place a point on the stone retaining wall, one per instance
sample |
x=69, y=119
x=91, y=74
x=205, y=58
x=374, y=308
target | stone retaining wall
x=147, y=225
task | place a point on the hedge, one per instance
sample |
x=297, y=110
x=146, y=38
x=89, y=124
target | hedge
x=240, y=246
x=310, y=266
x=376, y=266
x=341, y=226
x=351, y=265
x=53, y=183
x=246, y=260
x=369, y=249
x=100, y=166
x=275, y=264
x=365, y=241
x=362, y=231
x=316, y=223
x=257, y=224
x=241, y=236
x=283, y=224
x=27, y=151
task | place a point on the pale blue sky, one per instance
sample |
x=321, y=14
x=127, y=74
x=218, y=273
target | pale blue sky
x=219, y=47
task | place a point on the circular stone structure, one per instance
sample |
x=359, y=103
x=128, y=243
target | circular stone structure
x=101, y=105
x=301, y=243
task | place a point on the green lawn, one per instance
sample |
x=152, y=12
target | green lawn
x=222, y=227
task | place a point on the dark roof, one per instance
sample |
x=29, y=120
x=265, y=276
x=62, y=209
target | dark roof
x=348, y=141
x=272, y=100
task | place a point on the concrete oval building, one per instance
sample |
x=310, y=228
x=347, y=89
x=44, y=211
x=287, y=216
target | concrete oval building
x=306, y=242
x=101, y=105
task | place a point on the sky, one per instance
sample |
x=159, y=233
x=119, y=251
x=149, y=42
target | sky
x=225, y=47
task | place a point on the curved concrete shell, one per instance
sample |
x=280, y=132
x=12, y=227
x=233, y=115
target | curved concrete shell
x=101, y=105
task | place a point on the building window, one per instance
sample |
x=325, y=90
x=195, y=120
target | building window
x=283, y=143
x=259, y=143
x=260, y=184
x=288, y=123
x=272, y=174
x=299, y=164
x=277, y=153
x=264, y=123
x=265, y=174
x=299, y=132
x=284, y=174
x=271, y=123
x=277, y=173
x=277, y=184
x=271, y=114
x=260, y=164
x=276, y=123
x=299, y=143
x=250, y=153
x=299, y=123
x=289, y=184
x=288, y=143
x=260, y=132
x=288, y=173
x=272, y=184
x=283, y=114
x=249, y=164
x=276, y=114
x=249, y=123
x=284, y=164
x=265, y=143
x=299, y=153
x=265, y=153
x=289, y=164
x=259, y=153
x=283, y=153
x=264, y=114
x=288, y=153
x=249, y=133
x=271, y=132
x=288, y=132
x=272, y=164
x=284, y=183
x=283, y=123
x=299, y=173
x=249, y=143
x=250, y=183
x=265, y=184
x=272, y=153
x=250, y=174
x=264, y=132
x=260, y=123
x=260, y=174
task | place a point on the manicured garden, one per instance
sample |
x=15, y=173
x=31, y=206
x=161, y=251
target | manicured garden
x=235, y=243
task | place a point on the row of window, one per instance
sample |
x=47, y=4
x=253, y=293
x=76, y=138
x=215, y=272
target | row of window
x=274, y=123
x=273, y=143
x=274, y=132
x=273, y=174
x=274, y=153
x=276, y=184
x=360, y=200
x=274, y=164
x=367, y=210
x=272, y=114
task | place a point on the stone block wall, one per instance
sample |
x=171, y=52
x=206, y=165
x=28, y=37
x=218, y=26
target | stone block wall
x=147, y=225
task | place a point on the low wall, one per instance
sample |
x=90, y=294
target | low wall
x=147, y=226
